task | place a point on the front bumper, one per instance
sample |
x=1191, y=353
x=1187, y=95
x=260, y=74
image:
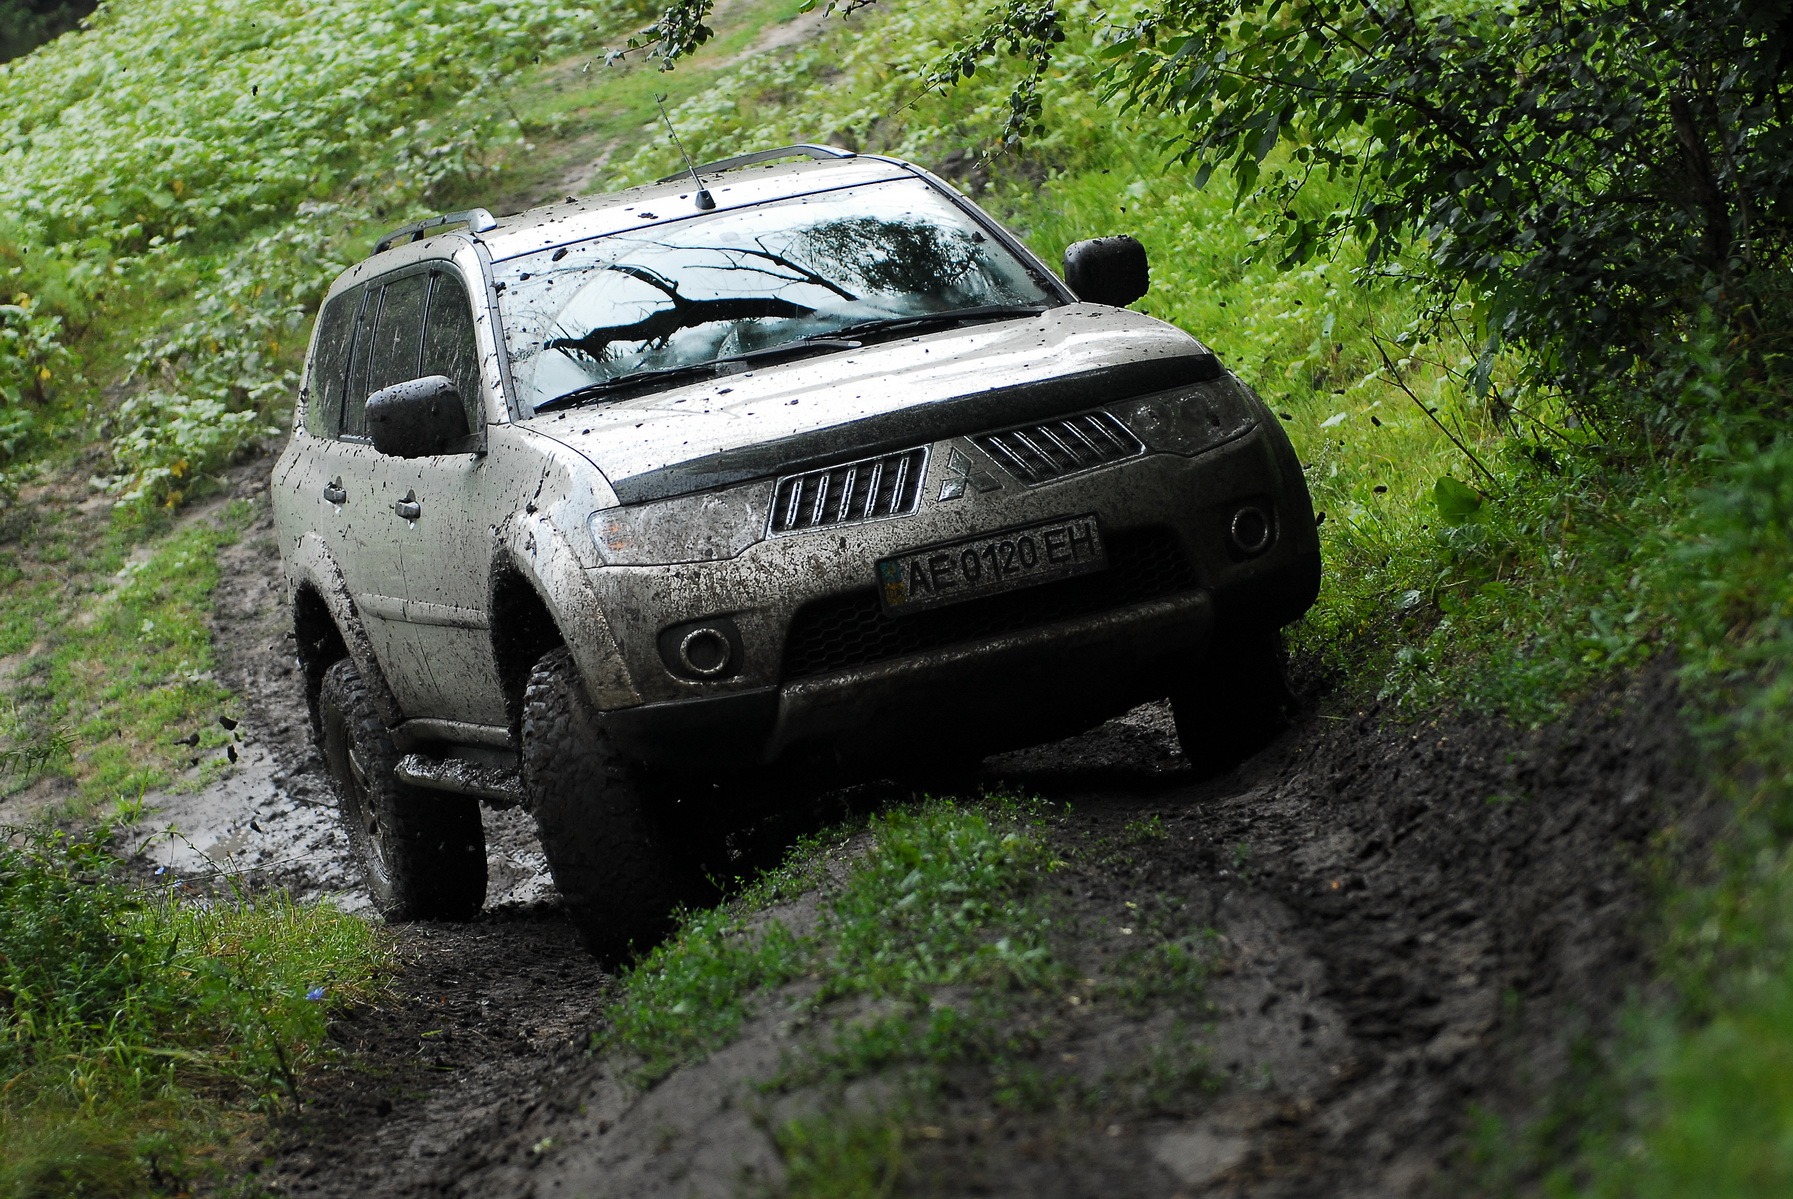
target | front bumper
x=825, y=677
x=765, y=590
x=968, y=699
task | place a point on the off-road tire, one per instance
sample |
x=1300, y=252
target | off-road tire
x=1236, y=704
x=422, y=853
x=615, y=865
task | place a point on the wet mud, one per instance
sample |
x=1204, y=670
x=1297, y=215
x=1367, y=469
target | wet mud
x=1410, y=924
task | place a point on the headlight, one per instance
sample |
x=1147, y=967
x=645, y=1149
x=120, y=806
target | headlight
x=1191, y=419
x=693, y=528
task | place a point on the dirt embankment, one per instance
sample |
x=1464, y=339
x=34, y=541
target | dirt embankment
x=1411, y=921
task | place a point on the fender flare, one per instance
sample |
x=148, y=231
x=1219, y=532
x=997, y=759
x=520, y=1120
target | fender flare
x=310, y=567
x=531, y=547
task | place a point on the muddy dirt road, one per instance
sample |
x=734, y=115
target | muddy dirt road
x=1409, y=922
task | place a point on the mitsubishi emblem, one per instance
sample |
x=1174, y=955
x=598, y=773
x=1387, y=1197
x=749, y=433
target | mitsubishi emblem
x=962, y=472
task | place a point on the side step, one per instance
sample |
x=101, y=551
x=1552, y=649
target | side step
x=497, y=785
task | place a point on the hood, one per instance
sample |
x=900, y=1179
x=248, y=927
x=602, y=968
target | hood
x=886, y=396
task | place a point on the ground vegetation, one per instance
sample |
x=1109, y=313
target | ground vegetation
x=140, y=1025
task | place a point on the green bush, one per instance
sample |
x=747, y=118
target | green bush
x=133, y=1023
x=1590, y=183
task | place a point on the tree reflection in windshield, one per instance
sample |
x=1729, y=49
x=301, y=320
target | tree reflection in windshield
x=692, y=291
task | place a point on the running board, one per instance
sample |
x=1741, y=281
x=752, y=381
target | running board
x=496, y=785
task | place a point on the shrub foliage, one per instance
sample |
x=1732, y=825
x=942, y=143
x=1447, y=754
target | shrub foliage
x=1598, y=182
x=121, y=1009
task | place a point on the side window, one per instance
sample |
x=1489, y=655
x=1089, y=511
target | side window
x=354, y=397
x=387, y=347
x=326, y=382
x=398, y=332
x=448, y=345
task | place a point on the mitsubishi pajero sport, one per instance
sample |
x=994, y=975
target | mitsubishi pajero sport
x=804, y=469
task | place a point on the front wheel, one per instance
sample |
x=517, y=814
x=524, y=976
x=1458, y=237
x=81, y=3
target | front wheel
x=613, y=861
x=1234, y=707
x=422, y=853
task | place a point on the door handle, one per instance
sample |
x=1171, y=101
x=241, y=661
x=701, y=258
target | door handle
x=335, y=493
x=409, y=507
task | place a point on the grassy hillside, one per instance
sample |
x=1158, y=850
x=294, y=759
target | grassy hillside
x=180, y=181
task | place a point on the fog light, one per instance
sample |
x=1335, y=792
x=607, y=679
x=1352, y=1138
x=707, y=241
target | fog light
x=1251, y=530
x=705, y=651
x=702, y=650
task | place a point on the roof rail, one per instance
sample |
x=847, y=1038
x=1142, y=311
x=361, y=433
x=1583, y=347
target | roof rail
x=805, y=150
x=477, y=220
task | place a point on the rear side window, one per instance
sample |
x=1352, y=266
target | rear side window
x=388, y=348
x=328, y=380
x=448, y=345
x=398, y=332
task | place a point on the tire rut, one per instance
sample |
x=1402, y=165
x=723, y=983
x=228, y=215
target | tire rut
x=1414, y=919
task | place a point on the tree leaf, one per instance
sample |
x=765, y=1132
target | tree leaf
x=1457, y=502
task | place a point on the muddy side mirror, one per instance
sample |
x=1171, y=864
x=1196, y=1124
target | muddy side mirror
x=1107, y=270
x=417, y=418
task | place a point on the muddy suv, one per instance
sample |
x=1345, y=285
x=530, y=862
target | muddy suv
x=647, y=506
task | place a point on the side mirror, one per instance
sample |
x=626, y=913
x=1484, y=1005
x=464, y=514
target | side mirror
x=1107, y=270
x=417, y=418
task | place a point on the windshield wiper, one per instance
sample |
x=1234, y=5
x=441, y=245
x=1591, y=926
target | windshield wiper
x=820, y=344
x=892, y=324
x=833, y=339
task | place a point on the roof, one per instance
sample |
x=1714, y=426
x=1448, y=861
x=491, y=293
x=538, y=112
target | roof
x=579, y=219
x=732, y=184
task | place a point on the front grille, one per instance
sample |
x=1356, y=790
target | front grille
x=850, y=630
x=844, y=495
x=1056, y=448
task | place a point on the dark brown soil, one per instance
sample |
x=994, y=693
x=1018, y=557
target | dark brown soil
x=1412, y=921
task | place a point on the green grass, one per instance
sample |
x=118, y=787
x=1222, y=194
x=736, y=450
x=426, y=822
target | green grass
x=936, y=960
x=826, y=1156
x=139, y=1031
x=935, y=899
x=115, y=656
x=133, y=674
x=578, y=110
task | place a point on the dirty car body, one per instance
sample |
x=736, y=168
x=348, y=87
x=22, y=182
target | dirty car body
x=830, y=478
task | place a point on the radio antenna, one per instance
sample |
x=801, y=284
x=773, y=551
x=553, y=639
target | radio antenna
x=705, y=200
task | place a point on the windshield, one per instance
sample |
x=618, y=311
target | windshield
x=710, y=287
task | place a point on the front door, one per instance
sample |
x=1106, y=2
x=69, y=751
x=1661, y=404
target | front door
x=418, y=556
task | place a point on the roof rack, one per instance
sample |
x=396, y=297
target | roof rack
x=805, y=150
x=477, y=220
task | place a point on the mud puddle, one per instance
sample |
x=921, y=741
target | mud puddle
x=1409, y=921
x=270, y=819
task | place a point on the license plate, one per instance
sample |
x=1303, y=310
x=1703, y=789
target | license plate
x=963, y=570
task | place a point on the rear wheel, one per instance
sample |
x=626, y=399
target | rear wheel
x=422, y=853
x=600, y=823
x=1235, y=706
